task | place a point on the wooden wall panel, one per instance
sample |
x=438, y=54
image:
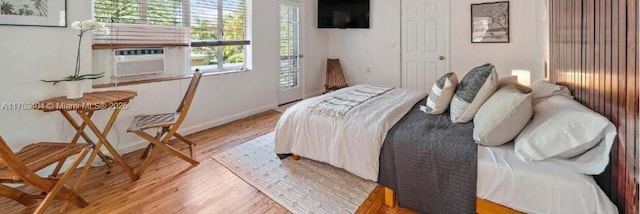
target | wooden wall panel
x=594, y=51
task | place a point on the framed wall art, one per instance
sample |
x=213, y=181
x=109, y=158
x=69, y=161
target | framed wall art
x=45, y=13
x=490, y=22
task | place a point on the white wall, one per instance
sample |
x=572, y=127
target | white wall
x=523, y=51
x=30, y=54
x=315, y=46
x=377, y=48
x=359, y=49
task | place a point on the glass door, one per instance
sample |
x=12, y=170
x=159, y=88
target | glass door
x=290, y=88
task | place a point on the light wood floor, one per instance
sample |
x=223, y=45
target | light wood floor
x=208, y=188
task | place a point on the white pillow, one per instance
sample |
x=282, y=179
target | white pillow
x=474, y=89
x=545, y=89
x=502, y=117
x=565, y=130
x=441, y=94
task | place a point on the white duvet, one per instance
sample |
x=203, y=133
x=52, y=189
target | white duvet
x=353, y=142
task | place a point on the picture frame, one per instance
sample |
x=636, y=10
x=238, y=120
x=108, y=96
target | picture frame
x=490, y=22
x=38, y=13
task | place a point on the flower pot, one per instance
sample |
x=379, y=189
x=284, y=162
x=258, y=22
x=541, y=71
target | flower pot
x=75, y=89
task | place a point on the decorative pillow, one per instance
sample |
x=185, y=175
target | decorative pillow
x=502, y=117
x=474, y=89
x=441, y=94
x=563, y=128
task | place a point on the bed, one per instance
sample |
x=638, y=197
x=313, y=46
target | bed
x=356, y=142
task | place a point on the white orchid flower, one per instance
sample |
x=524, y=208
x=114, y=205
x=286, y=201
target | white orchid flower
x=76, y=25
x=90, y=25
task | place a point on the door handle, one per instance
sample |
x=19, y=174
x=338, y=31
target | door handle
x=442, y=58
x=301, y=56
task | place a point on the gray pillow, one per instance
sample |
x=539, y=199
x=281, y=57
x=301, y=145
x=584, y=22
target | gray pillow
x=474, y=89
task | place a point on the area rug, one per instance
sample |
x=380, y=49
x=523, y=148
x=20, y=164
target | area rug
x=302, y=186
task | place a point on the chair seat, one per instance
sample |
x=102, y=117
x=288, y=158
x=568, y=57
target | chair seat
x=40, y=155
x=142, y=122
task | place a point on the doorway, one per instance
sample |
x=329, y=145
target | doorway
x=290, y=87
x=425, y=42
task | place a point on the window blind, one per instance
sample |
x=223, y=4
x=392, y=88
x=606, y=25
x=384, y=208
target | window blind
x=142, y=23
x=219, y=22
x=220, y=33
x=204, y=21
x=199, y=23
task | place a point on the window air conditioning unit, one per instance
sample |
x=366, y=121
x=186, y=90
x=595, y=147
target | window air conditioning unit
x=134, y=62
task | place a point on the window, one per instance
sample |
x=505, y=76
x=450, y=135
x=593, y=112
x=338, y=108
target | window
x=219, y=34
x=289, y=46
x=142, y=23
x=217, y=31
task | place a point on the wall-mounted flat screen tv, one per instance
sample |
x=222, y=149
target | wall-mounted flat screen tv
x=343, y=14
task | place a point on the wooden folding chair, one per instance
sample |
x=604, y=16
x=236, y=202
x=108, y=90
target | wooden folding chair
x=335, y=76
x=21, y=167
x=167, y=126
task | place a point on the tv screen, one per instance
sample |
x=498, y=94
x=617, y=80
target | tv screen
x=343, y=13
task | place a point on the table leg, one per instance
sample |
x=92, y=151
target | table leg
x=79, y=129
x=103, y=140
x=79, y=132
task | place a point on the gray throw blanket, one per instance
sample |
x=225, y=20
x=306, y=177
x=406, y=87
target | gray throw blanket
x=430, y=163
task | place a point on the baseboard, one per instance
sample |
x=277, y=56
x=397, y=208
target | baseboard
x=228, y=119
x=131, y=147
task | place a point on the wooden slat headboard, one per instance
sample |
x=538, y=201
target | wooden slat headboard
x=594, y=51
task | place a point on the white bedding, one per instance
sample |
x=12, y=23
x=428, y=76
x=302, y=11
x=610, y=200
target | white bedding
x=537, y=187
x=353, y=142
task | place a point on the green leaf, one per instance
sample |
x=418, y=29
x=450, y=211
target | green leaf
x=74, y=78
x=91, y=75
x=55, y=82
x=93, y=78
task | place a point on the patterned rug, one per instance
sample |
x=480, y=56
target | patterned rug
x=302, y=186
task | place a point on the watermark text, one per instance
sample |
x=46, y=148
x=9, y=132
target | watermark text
x=22, y=106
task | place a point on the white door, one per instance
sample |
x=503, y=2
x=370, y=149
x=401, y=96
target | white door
x=290, y=86
x=425, y=42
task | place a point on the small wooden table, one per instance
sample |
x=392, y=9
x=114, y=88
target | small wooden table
x=85, y=107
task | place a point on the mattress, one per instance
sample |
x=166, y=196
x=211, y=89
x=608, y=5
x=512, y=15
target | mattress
x=538, y=187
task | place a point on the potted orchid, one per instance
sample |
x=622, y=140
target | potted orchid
x=75, y=82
